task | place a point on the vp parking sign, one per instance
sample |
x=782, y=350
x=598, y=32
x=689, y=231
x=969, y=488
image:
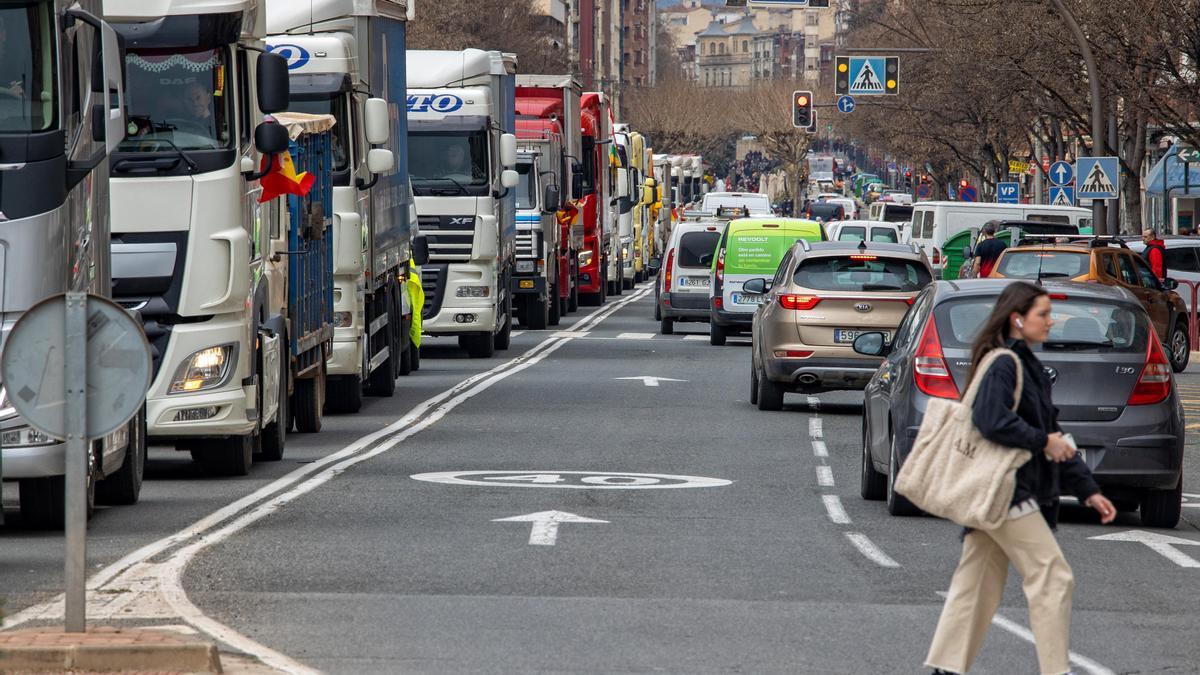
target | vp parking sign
x=1008, y=193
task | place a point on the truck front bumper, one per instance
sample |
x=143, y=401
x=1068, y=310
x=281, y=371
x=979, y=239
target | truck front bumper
x=346, y=357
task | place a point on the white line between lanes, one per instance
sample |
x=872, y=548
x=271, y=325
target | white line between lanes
x=824, y=476
x=814, y=427
x=872, y=552
x=833, y=507
x=819, y=448
x=635, y=336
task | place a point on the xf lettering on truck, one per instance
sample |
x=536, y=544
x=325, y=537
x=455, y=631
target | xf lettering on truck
x=442, y=103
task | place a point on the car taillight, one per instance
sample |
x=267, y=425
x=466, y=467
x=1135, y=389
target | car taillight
x=670, y=266
x=931, y=372
x=721, y=265
x=802, y=302
x=1154, y=385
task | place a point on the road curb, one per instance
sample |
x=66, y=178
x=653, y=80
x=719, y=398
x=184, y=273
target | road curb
x=106, y=649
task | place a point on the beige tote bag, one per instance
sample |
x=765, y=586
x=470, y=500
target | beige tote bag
x=953, y=471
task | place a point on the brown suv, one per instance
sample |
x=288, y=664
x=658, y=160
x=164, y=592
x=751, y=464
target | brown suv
x=823, y=296
x=1106, y=260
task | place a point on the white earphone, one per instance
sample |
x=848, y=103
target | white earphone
x=1020, y=323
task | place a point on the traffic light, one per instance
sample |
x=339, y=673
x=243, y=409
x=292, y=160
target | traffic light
x=802, y=110
x=964, y=184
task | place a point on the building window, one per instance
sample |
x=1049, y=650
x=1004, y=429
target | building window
x=745, y=45
x=812, y=19
x=722, y=47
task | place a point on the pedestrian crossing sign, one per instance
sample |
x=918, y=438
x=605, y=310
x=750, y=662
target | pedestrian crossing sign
x=867, y=76
x=1098, y=177
x=1062, y=195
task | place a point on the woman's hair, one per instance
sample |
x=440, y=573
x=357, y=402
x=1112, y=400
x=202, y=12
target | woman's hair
x=1018, y=297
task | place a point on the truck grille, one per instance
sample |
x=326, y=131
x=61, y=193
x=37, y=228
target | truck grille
x=528, y=245
x=450, y=237
x=433, y=282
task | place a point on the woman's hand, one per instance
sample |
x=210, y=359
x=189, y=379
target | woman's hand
x=1105, y=508
x=1058, y=449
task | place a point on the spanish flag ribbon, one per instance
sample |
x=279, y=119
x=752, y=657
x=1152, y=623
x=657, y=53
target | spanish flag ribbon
x=283, y=179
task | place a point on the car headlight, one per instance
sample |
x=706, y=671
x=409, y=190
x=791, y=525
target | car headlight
x=526, y=266
x=24, y=437
x=205, y=369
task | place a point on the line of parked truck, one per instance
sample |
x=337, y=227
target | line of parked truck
x=288, y=199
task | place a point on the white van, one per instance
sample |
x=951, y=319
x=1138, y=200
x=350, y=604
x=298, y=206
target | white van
x=758, y=203
x=890, y=212
x=863, y=230
x=934, y=222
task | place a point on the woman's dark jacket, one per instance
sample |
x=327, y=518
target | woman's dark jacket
x=1036, y=418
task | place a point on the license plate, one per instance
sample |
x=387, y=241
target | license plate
x=847, y=337
x=740, y=299
x=694, y=282
x=526, y=283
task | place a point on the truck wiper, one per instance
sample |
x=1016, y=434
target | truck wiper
x=183, y=155
x=459, y=189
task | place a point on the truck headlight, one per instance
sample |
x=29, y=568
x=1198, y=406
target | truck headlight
x=472, y=292
x=585, y=258
x=343, y=319
x=6, y=407
x=24, y=437
x=205, y=369
x=526, y=266
x=624, y=253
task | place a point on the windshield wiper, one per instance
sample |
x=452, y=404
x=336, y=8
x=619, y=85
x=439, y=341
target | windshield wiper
x=442, y=191
x=1076, y=344
x=183, y=155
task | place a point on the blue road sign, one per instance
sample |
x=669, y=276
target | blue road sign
x=968, y=194
x=866, y=75
x=924, y=190
x=1099, y=178
x=1061, y=173
x=846, y=104
x=1062, y=195
x=1008, y=193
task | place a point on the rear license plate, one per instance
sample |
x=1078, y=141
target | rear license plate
x=694, y=282
x=846, y=337
x=526, y=283
x=740, y=299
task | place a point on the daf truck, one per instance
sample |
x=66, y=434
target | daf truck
x=463, y=160
x=599, y=221
x=190, y=236
x=625, y=199
x=347, y=58
x=61, y=117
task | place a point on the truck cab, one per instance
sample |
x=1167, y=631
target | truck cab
x=601, y=240
x=536, y=278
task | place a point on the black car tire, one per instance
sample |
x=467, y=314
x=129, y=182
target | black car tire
x=770, y=395
x=124, y=486
x=666, y=326
x=873, y=486
x=1162, y=508
x=897, y=504
x=1178, y=347
x=753, y=383
x=716, y=334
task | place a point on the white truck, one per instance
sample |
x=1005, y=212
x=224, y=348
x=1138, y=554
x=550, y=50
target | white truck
x=626, y=196
x=463, y=160
x=58, y=128
x=189, y=237
x=346, y=58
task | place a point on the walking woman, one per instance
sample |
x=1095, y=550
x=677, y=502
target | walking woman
x=1020, y=318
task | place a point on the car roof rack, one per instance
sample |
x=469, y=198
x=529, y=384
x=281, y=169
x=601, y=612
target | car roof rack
x=737, y=211
x=1092, y=240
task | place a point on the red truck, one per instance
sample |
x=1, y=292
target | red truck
x=598, y=224
x=547, y=106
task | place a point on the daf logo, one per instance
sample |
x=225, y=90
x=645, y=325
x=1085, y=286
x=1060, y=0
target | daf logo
x=295, y=55
x=442, y=103
x=863, y=307
x=1051, y=373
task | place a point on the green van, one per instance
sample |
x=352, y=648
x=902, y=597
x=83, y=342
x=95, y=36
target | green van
x=749, y=248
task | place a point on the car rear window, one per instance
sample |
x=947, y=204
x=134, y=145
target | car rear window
x=862, y=273
x=897, y=214
x=696, y=248
x=852, y=233
x=757, y=252
x=1046, y=264
x=884, y=235
x=1079, y=324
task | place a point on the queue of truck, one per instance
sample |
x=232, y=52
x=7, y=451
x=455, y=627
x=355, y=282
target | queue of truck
x=288, y=199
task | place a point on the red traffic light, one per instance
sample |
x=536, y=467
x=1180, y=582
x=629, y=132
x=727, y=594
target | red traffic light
x=964, y=183
x=802, y=100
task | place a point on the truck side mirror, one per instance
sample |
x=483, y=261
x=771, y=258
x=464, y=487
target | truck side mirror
x=509, y=179
x=380, y=160
x=273, y=88
x=420, y=250
x=376, y=122
x=270, y=138
x=577, y=183
x=550, y=198
x=508, y=151
x=622, y=182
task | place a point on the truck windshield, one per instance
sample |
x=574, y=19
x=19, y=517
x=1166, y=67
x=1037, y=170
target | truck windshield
x=447, y=163
x=335, y=106
x=177, y=96
x=526, y=186
x=27, y=91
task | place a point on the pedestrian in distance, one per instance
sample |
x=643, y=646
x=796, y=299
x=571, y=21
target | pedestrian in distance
x=1185, y=231
x=987, y=251
x=1155, y=253
x=1020, y=319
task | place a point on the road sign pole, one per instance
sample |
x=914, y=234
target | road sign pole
x=76, y=462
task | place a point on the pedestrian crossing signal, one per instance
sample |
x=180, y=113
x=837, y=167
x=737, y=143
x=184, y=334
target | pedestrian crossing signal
x=802, y=110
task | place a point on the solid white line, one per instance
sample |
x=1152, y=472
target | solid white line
x=819, y=448
x=696, y=338
x=824, y=476
x=814, y=427
x=635, y=336
x=833, y=507
x=872, y=552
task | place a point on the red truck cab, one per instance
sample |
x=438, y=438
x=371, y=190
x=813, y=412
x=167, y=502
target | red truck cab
x=596, y=126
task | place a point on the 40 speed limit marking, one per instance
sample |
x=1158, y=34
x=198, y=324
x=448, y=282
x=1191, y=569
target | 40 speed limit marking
x=574, y=480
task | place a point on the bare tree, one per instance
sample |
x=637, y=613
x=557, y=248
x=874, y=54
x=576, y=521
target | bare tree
x=504, y=25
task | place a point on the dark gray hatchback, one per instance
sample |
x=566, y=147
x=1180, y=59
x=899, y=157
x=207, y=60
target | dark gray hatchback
x=1112, y=384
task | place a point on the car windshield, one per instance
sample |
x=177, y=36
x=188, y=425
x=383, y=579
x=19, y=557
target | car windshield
x=448, y=162
x=526, y=198
x=1079, y=325
x=1044, y=264
x=862, y=273
x=696, y=248
x=27, y=77
x=177, y=97
x=335, y=106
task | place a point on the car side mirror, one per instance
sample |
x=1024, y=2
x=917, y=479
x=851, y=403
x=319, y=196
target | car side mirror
x=755, y=286
x=420, y=250
x=871, y=344
x=1170, y=284
x=273, y=86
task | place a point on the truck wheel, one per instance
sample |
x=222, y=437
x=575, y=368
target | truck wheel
x=504, y=338
x=627, y=284
x=406, y=361
x=274, y=435
x=125, y=486
x=537, y=313
x=343, y=395
x=229, y=456
x=1162, y=508
x=43, y=500
x=556, y=307
x=573, y=299
x=415, y=356
x=716, y=334
x=382, y=380
x=478, y=345
x=308, y=402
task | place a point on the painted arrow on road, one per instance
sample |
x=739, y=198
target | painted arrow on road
x=545, y=525
x=1162, y=544
x=649, y=380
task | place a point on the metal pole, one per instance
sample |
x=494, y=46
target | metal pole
x=1114, y=209
x=76, y=462
x=1099, y=222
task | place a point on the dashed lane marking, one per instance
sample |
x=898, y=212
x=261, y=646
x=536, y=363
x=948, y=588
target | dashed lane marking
x=869, y=550
x=695, y=338
x=833, y=507
x=635, y=336
x=824, y=476
x=819, y=448
x=814, y=427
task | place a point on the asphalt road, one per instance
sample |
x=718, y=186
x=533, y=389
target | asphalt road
x=337, y=559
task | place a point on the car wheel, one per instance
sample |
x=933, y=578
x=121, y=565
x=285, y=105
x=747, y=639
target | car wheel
x=716, y=335
x=897, y=504
x=1161, y=508
x=666, y=326
x=1179, y=347
x=770, y=395
x=753, y=383
x=873, y=486
x=125, y=486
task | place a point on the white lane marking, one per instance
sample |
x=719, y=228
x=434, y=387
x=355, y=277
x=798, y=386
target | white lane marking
x=164, y=579
x=696, y=338
x=833, y=507
x=1027, y=635
x=650, y=380
x=814, y=403
x=814, y=427
x=1161, y=544
x=824, y=476
x=635, y=336
x=517, y=333
x=819, y=448
x=568, y=334
x=575, y=480
x=544, y=528
x=872, y=552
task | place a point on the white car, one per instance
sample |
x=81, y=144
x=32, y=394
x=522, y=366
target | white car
x=681, y=288
x=863, y=230
x=1182, y=260
x=758, y=204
